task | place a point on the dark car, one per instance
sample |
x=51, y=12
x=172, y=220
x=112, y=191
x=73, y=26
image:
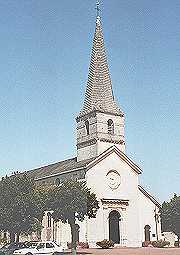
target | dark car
x=9, y=248
x=32, y=244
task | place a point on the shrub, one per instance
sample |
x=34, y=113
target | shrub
x=105, y=244
x=176, y=244
x=160, y=243
x=82, y=245
x=146, y=243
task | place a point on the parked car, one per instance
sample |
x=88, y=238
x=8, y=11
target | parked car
x=42, y=248
x=9, y=248
x=32, y=244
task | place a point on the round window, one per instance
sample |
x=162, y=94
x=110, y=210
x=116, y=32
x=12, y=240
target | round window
x=113, y=179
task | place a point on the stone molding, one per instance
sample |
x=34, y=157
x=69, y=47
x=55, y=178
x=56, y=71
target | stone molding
x=120, y=153
x=86, y=116
x=114, y=203
x=94, y=141
x=90, y=114
x=86, y=143
x=112, y=141
x=149, y=196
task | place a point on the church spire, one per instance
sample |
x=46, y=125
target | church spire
x=99, y=94
x=100, y=124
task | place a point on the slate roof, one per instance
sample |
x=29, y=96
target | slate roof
x=99, y=93
x=71, y=164
x=58, y=168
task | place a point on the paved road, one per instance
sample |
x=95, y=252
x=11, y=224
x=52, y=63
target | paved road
x=132, y=251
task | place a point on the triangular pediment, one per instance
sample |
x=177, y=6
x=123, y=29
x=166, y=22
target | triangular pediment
x=121, y=155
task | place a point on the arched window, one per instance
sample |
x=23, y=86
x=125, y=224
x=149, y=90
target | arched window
x=49, y=217
x=87, y=127
x=57, y=182
x=110, y=127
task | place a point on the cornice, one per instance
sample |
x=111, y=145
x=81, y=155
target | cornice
x=114, y=202
x=149, y=196
x=86, y=143
x=111, y=141
x=87, y=115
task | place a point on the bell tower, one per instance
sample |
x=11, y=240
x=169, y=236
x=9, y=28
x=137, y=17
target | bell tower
x=100, y=123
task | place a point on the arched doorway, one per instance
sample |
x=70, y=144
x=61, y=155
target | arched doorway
x=114, y=230
x=147, y=231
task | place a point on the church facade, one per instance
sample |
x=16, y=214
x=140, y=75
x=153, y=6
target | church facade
x=128, y=214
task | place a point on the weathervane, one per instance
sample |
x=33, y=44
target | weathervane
x=98, y=8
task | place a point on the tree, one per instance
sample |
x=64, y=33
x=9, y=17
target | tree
x=70, y=202
x=170, y=216
x=22, y=205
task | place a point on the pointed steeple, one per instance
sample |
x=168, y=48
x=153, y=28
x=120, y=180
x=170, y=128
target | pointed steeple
x=100, y=124
x=99, y=93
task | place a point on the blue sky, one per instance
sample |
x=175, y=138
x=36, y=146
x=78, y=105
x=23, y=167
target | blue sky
x=45, y=50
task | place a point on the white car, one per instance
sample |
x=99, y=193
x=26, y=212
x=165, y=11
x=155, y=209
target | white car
x=42, y=248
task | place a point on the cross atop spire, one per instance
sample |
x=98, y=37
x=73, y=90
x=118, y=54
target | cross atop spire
x=98, y=8
x=99, y=93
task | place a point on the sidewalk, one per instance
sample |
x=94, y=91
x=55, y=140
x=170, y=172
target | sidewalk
x=129, y=251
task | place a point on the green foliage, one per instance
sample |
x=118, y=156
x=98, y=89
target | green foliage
x=146, y=243
x=21, y=204
x=82, y=245
x=176, y=244
x=160, y=243
x=105, y=244
x=72, y=201
x=170, y=215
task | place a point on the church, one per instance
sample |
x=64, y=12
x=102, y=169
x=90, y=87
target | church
x=128, y=214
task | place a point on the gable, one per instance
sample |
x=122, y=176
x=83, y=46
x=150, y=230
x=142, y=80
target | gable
x=111, y=177
x=120, y=154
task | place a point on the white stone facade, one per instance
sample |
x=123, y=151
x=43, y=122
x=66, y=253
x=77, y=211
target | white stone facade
x=115, y=180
